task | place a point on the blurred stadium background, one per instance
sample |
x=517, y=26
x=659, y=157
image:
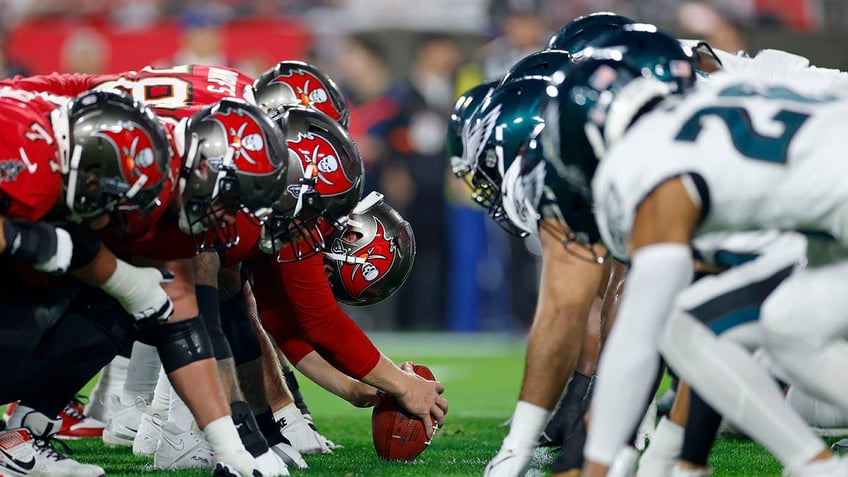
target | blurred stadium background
x=402, y=64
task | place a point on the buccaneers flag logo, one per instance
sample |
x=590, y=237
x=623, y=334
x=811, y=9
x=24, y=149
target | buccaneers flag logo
x=320, y=158
x=309, y=90
x=137, y=157
x=379, y=255
x=247, y=139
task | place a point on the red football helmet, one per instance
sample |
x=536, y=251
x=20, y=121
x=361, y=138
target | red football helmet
x=372, y=256
x=235, y=158
x=113, y=151
x=324, y=184
x=295, y=83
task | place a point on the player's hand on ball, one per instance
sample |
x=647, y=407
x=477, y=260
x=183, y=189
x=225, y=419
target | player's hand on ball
x=423, y=398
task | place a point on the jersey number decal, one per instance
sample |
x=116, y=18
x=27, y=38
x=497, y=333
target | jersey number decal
x=745, y=139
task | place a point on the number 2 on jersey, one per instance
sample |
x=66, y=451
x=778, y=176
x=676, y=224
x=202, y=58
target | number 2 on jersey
x=745, y=138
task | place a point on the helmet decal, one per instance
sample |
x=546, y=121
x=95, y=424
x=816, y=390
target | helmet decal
x=309, y=90
x=476, y=134
x=320, y=161
x=247, y=139
x=135, y=150
x=378, y=255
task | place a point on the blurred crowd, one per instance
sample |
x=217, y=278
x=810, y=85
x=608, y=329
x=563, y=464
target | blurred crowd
x=468, y=275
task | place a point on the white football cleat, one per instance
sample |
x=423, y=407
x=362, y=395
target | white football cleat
x=149, y=431
x=833, y=466
x=182, y=449
x=49, y=462
x=122, y=427
x=17, y=454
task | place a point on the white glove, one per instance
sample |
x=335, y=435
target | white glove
x=139, y=291
x=61, y=259
x=270, y=464
x=299, y=433
x=46, y=247
x=236, y=464
x=509, y=462
x=289, y=454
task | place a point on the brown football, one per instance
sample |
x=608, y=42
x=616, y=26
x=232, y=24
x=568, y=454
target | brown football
x=397, y=435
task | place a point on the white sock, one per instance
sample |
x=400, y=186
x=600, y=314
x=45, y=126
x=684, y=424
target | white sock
x=111, y=381
x=142, y=373
x=161, y=394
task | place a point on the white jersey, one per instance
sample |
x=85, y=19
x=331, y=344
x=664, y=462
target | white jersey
x=760, y=155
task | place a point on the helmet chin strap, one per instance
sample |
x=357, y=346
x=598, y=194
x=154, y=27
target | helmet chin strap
x=309, y=172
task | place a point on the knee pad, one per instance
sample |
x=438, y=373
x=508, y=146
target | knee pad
x=207, y=302
x=180, y=343
x=239, y=330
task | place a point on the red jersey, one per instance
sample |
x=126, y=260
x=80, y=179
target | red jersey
x=30, y=177
x=301, y=289
x=173, y=94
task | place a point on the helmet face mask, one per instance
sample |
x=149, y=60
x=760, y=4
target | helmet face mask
x=326, y=178
x=372, y=255
x=496, y=132
x=114, y=152
x=295, y=83
x=235, y=162
x=464, y=108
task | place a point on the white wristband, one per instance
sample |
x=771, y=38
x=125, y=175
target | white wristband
x=528, y=422
x=222, y=436
x=133, y=289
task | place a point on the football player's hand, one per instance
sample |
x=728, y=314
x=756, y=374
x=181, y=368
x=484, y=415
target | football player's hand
x=270, y=463
x=47, y=248
x=304, y=438
x=238, y=463
x=510, y=461
x=423, y=399
x=154, y=305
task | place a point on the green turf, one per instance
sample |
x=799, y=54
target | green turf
x=482, y=377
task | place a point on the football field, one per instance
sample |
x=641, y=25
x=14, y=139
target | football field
x=482, y=374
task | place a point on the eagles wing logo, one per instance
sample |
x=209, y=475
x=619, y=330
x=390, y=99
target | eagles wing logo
x=476, y=135
x=309, y=90
x=320, y=159
x=379, y=255
x=247, y=139
x=135, y=150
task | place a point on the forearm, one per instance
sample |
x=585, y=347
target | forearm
x=325, y=375
x=631, y=358
x=98, y=271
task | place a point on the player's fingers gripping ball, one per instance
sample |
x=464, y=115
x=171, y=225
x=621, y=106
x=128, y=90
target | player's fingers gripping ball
x=396, y=434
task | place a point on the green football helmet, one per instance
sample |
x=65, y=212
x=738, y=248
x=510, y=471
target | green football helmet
x=541, y=63
x=578, y=33
x=463, y=109
x=609, y=87
x=499, y=127
x=535, y=188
